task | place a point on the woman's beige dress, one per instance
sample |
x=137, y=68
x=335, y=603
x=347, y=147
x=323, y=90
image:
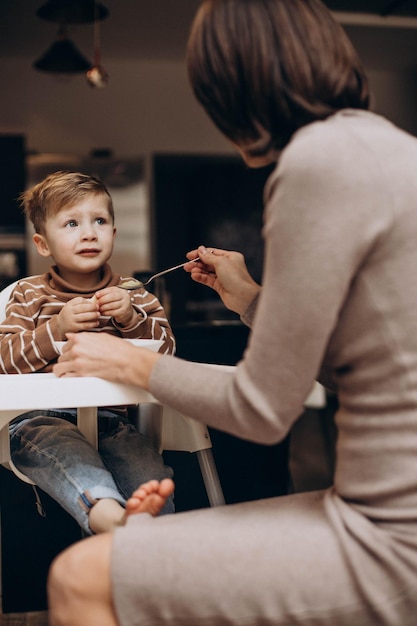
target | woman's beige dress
x=339, y=300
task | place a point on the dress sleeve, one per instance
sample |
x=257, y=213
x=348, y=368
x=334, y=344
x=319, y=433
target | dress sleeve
x=248, y=316
x=320, y=222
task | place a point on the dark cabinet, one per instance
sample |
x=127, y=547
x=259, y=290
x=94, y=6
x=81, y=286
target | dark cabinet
x=29, y=543
x=214, y=200
x=13, y=262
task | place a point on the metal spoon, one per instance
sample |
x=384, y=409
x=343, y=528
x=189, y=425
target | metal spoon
x=133, y=283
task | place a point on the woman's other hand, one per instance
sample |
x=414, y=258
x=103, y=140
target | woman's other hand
x=106, y=356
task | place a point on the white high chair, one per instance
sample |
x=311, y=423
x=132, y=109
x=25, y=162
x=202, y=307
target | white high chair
x=167, y=429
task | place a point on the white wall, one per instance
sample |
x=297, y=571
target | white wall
x=147, y=107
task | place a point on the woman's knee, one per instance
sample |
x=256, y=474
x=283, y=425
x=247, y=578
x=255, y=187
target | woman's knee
x=80, y=576
x=67, y=575
x=59, y=589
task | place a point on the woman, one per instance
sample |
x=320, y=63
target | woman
x=338, y=301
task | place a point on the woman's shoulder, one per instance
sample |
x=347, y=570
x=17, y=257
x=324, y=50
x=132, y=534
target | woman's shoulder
x=348, y=143
x=329, y=139
x=347, y=132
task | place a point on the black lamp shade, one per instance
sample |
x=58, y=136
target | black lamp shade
x=72, y=11
x=63, y=57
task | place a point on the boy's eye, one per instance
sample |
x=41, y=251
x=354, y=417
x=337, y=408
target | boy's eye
x=71, y=223
x=101, y=220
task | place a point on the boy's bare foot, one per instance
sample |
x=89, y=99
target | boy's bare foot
x=150, y=497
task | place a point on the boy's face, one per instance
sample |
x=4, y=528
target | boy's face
x=79, y=239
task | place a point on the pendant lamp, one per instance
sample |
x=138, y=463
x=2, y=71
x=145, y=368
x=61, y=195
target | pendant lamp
x=63, y=57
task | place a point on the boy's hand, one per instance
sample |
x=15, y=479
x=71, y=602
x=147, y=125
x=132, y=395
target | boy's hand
x=116, y=303
x=78, y=314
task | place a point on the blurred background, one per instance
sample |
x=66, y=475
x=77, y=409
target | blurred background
x=137, y=126
x=144, y=133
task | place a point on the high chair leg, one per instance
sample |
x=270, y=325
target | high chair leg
x=210, y=477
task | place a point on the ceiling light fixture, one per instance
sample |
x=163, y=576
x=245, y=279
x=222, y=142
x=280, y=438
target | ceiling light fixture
x=62, y=56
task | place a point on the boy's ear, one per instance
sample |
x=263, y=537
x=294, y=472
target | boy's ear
x=41, y=245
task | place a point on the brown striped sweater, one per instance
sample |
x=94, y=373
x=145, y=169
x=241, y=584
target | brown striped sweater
x=30, y=330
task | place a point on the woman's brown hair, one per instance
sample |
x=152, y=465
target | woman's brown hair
x=263, y=68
